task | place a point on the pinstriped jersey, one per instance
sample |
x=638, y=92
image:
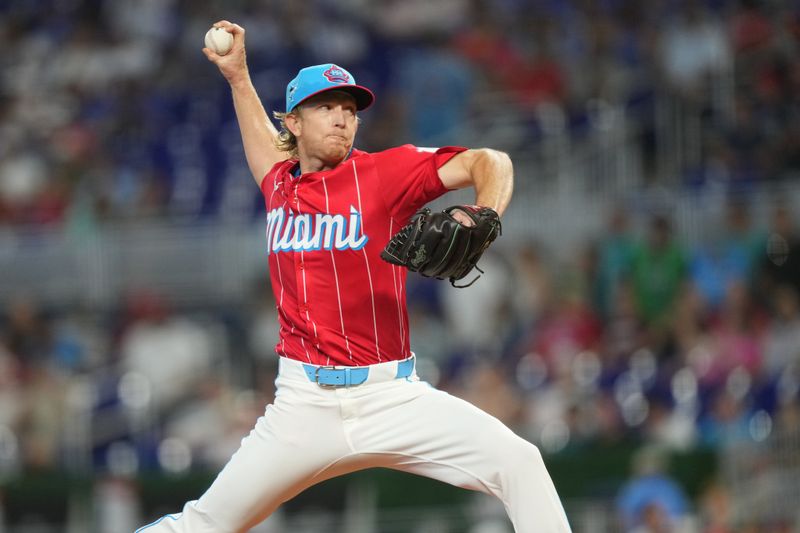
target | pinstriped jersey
x=338, y=302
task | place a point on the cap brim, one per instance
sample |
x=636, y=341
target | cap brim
x=364, y=97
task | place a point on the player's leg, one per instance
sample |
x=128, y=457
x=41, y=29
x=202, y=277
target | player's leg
x=297, y=443
x=431, y=433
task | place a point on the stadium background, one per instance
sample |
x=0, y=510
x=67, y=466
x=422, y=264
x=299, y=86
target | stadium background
x=638, y=320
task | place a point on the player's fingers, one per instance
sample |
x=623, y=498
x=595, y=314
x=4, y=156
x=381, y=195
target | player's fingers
x=462, y=218
x=228, y=26
x=235, y=29
x=238, y=34
x=211, y=55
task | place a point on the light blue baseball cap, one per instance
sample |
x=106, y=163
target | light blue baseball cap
x=311, y=81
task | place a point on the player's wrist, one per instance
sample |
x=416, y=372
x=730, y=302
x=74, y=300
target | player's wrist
x=240, y=81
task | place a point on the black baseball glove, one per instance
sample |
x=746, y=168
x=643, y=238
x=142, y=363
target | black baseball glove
x=438, y=246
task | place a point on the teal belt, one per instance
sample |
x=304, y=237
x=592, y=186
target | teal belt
x=331, y=376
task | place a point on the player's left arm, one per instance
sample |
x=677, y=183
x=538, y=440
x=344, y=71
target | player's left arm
x=489, y=171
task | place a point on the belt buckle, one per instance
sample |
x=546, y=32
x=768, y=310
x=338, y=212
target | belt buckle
x=324, y=385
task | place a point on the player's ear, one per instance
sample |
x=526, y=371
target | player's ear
x=293, y=123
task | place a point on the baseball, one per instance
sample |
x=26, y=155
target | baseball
x=219, y=41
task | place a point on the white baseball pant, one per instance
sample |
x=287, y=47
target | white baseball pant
x=310, y=434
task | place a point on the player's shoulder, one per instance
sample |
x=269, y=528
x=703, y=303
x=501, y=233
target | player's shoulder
x=382, y=155
x=405, y=149
x=276, y=171
x=410, y=150
x=282, y=166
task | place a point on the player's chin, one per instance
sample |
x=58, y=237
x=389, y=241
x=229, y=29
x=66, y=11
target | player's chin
x=338, y=150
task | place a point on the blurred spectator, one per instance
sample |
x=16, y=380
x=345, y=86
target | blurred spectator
x=334, y=36
x=12, y=399
x=404, y=20
x=26, y=333
x=716, y=513
x=651, y=500
x=485, y=43
x=694, y=48
x=539, y=77
x=782, y=338
x=659, y=270
x=568, y=328
x=434, y=88
x=668, y=426
x=624, y=331
x=749, y=157
x=23, y=178
x=213, y=421
x=751, y=29
x=607, y=424
x=691, y=325
x=781, y=266
x=727, y=422
x=654, y=520
x=534, y=283
x=80, y=341
x=726, y=259
x=43, y=421
x=476, y=328
x=741, y=236
x=616, y=251
x=548, y=411
x=116, y=504
x=735, y=340
x=610, y=70
x=427, y=341
x=171, y=351
x=486, y=387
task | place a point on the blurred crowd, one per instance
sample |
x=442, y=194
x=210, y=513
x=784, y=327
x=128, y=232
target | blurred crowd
x=109, y=112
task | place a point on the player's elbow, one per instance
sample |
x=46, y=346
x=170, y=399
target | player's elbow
x=493, y=153
x=492, y=163
x=489, y=158
x=497, y=155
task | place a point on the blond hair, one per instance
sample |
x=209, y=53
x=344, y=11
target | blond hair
x=285, y=141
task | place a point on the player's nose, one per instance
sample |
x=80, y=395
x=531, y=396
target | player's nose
x=338, y=116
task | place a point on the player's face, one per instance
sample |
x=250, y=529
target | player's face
x=326, y=126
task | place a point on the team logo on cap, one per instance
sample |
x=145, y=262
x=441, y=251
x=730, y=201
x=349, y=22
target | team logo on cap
x=336, y=75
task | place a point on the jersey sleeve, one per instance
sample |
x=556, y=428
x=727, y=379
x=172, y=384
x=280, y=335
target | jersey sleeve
x=409, y=177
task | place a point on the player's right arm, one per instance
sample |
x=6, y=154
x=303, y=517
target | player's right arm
x=258, y=132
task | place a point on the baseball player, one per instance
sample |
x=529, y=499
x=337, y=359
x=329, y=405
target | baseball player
x=340, y=243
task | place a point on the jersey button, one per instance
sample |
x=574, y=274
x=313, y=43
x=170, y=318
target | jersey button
x=301, y=265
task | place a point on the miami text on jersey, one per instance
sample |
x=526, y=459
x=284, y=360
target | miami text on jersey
x=320, y=231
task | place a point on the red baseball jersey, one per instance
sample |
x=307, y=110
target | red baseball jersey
x=338, y=302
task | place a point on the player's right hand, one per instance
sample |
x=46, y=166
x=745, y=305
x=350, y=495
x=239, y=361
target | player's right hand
x=232, y=65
